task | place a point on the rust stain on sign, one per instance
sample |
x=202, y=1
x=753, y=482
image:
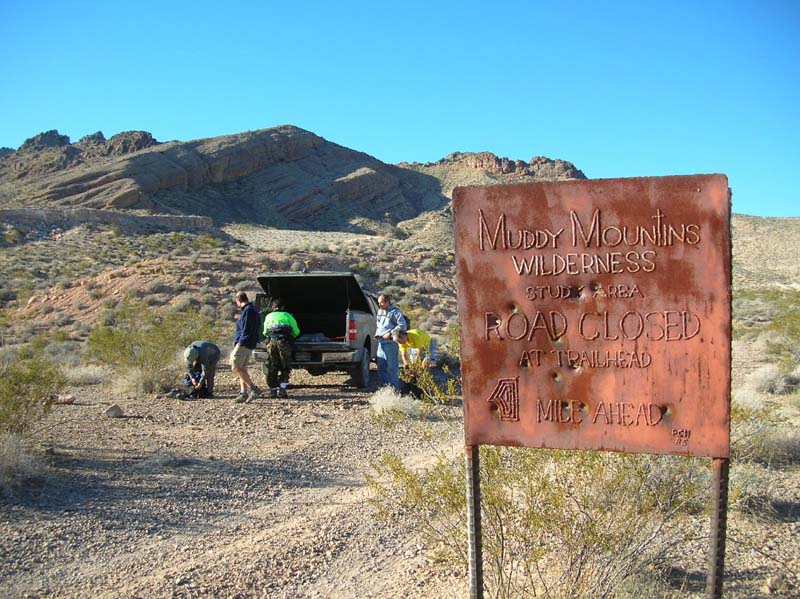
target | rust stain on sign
x=596, y=314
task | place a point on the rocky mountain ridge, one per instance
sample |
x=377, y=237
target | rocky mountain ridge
x=283, y=176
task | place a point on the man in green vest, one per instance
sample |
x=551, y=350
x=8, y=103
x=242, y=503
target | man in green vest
x=280, y=331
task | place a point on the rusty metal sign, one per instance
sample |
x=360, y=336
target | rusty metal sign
x=596, y=314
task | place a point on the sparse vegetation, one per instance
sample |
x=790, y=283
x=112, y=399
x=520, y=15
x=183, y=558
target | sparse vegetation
x=27, y=381
x=771, y=312
x=16, y=464
x=388, y=407
x=143, y=345
x=556, y=523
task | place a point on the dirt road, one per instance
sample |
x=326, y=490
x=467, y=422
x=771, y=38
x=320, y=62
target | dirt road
x=212, y=498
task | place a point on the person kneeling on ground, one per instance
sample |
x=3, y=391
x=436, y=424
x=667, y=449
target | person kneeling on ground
x=202, y=357
x=194, y=386
x=416, y=347
x=280, y=331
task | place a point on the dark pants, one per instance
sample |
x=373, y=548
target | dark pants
x=279, y=353
x=211, y=370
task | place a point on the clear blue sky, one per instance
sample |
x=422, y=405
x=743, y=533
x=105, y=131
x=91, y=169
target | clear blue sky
x=620, y=88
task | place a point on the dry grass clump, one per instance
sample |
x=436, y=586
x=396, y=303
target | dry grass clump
x=88, y=374
x=770, y=379
x=387, y=403
x=27, y=381
x=16, y=465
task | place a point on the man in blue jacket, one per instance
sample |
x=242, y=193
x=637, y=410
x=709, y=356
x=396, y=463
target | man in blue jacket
x=389, y=319
x=248, y=327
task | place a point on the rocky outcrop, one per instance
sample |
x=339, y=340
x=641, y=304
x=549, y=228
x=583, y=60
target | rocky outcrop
x=51, y=152
x=283, y=176
x=43, y=141
x=538, y=167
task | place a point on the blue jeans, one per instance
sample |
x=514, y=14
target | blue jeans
x=387, y=357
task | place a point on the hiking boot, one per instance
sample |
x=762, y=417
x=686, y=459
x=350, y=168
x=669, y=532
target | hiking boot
x=273, y=393
x=255, y=393
x=242, y=397
x=282, y=393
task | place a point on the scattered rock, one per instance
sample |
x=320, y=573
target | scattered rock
x=114, y=412
x=68, y=399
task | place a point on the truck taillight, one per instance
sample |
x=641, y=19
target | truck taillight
x=351, y=330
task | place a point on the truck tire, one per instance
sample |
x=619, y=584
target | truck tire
x=361, y=373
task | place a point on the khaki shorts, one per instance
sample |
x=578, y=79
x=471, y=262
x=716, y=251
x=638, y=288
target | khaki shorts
x=240, y=356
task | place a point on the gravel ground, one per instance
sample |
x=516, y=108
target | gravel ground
x=213, y=498
x=217, y=499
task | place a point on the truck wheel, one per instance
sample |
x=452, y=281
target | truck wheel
x=361, y=373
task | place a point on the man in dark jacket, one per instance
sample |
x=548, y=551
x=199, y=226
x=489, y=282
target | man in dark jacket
x=202, y=357
x=248, y=327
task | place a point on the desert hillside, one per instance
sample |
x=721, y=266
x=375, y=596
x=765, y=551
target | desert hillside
x=284, y=177
x=123, y=491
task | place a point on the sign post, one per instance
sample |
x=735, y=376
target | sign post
x=596, y=315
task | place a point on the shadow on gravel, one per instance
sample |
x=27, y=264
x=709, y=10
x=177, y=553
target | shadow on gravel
x=686, y=580
x=786, y=511
x=123, y=490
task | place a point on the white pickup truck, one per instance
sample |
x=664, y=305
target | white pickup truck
x=335, y=316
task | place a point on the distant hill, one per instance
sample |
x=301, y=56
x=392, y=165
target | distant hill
x=284, y=176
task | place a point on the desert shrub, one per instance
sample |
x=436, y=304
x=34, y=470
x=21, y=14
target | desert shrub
x=749, y=489
x=387, y=406
x=89, y=374
x=772, y=380
x=16, y=465
x=410, y=297
x=760, y=435
x=62, y=320
x=435, y=262
x=142, y=345
x=179, y=251
x=423, y=288
x=452, y=337
x=385, y=280
x=27, y=380
x=209, y=312
x=186, y=304
x=555, y=523
x=157, y=287
x=364, y=268
x=206, y=241
x=438, y=386
x=62, y=352
x=771, y=311
x=415, y=314
x=394, y=292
